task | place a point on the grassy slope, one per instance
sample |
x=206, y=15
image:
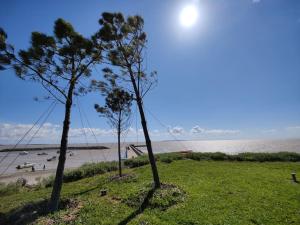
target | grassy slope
x=217, y=193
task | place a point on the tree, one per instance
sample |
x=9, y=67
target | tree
x=59, y=63
x=6, y=51
x=125, y=43
x=117, y=111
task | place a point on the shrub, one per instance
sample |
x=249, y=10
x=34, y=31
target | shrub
x=170, y=157
x=10, y=188
x=137, y=162
x=268, y=157
x=162, y=198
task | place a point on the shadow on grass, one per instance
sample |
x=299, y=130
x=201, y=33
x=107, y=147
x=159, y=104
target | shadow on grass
x=86, y=191
x=141, y=208
x=29, y=213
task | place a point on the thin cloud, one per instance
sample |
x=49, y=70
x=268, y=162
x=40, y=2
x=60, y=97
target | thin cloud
x=177, y=130
x=293, y=128
x=198, y=130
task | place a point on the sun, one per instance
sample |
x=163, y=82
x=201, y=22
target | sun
x=188, y=16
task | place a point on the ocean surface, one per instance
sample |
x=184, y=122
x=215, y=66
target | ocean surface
x=9, y=161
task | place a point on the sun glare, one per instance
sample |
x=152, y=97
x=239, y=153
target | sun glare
x=188, y=16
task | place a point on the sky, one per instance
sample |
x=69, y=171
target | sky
x=233, y=74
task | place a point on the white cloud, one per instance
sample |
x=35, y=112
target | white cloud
x=17, y=131
x=51, y=133
x=176, y=130
x=198, y=130
x=256, y=1
x=11, y=133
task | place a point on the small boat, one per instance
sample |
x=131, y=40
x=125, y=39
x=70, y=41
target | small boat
x=25, y=165
x=42, y=153
x=23, y=153
x=51, y=159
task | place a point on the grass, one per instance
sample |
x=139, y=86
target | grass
x=200, y=192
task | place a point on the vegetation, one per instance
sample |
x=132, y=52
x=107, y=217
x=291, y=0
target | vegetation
x=6, y=51
x=200, y=192
x=125, y=42
x=117, y=111
x=92, y=169
x=217, y=156
x=59, y=63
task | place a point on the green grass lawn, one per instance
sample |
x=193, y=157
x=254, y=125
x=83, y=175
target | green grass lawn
x=214, y=193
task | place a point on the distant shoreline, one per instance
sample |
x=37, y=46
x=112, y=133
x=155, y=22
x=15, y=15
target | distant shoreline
x=54, y=148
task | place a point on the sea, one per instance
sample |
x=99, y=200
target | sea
x=75, y=158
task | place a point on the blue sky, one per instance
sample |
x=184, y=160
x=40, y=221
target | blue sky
x=235, y=74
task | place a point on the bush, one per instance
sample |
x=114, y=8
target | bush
x=86, y=170
x=137, y=162
x=89, y=170
x=267, y=157
x=10, y=188
x=47, y=181
x=162, y=198
x=170, y=157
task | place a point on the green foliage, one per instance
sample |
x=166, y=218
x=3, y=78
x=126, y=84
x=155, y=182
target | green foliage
x=125, y=41
x=58, y=61
x=207, y=156
x=63, y=29
x=10, y=188
x=267, y=157
x=86, y=170
x=162, y=198
x=6, y=51
x=137, y=162
x=169, y=157
x=216, y=156
x=117, y=108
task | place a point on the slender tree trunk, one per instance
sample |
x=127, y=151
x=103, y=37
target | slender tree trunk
x=119, y=147
x=55, y=196
x=146, y=134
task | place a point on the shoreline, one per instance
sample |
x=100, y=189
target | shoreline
x=31, y=177
x=94, y=147
x=36, y=176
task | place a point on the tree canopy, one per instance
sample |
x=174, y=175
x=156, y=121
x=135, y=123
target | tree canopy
x=58, y=60
x=117, y=108
x=6, y=51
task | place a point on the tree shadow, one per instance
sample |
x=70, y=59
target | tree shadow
x=86, y=191
x=141, y=208
x=29, y=212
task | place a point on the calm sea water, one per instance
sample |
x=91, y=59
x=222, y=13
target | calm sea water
x=80, y=157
